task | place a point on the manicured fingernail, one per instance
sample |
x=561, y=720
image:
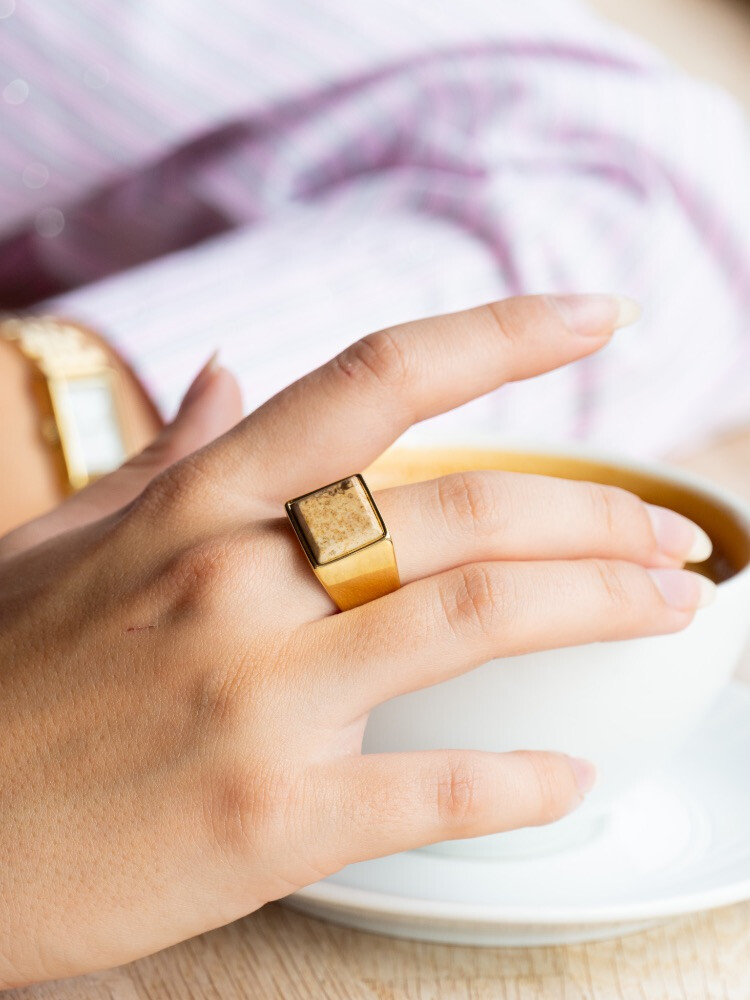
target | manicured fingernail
x=585, y=773
x=628, y=311
x=683, y=590
x=201, y=380
x=596, y=315
x=677, y=536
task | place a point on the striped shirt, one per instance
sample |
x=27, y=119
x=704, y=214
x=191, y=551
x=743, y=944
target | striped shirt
x=278, y=177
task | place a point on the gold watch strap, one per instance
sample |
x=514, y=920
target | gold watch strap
x=58, y=347
x=69, y=360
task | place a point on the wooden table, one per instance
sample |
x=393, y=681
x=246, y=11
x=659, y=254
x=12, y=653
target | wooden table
x=279, y=954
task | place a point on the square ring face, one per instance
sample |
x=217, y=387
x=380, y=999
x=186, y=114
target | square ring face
x=337, y=520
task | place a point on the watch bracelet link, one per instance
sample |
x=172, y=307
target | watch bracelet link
x=57, y=346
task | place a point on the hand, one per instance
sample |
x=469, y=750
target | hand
x=183, y=714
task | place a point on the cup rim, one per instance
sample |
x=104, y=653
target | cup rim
x=719, y=496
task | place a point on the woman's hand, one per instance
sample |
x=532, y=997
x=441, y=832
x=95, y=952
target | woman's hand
x=182, y=714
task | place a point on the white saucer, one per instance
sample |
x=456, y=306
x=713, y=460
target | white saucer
x=676, y=844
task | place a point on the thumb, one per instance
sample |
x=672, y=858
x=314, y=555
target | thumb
x=211, y=405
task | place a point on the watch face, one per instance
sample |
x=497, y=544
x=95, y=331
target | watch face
x=89, y=426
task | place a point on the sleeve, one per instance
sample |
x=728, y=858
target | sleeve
x=551, y=158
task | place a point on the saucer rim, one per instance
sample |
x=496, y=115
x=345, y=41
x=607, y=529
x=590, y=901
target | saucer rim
x=366, y=901
x=352, y=900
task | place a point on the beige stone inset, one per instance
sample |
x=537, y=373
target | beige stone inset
x=337, y=520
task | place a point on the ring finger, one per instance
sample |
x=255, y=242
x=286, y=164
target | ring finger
x=479, y=516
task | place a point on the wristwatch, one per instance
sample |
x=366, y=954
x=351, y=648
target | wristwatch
x=79, y=395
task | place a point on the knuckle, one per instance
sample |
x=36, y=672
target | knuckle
x=551, y=791
x=228, y=809
x=510, y=323
x=235, y=693
x=380, y=359
x=610, y=507
x=241, y=803
x=220, y=698
x=473, y=600
x=204, y=572
x=471, y=502
x=612, y=583
x=457, y=793
x=177, y=489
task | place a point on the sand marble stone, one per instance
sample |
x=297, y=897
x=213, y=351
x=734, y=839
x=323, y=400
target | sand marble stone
x=337, y=520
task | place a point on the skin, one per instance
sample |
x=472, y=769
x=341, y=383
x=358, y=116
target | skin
x=182, y=711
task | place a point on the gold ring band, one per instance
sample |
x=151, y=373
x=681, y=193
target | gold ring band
x=346, y=542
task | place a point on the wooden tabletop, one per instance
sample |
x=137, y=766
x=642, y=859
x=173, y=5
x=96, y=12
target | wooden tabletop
x=285, y=956
x=276, y=953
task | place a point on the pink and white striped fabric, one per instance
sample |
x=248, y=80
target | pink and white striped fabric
x=277, y=177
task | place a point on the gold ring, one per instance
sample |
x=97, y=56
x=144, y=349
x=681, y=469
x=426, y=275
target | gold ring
x=348, y=545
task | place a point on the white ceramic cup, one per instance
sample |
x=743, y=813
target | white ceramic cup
x=625, y=705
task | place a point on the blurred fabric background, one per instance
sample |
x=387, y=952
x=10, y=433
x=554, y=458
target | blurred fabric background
x=277, y=178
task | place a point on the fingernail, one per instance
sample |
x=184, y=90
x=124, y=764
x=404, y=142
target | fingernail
x=201, y=380
x=683, y=590
x=677, y=536
x=586, y=774
x=596, y=315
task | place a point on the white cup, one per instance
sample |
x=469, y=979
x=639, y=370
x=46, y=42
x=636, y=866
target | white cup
x=625, y=705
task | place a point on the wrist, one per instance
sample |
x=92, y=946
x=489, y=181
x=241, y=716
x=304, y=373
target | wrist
x=33, y=474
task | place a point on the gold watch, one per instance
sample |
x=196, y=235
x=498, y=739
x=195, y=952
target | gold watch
x=79, y=394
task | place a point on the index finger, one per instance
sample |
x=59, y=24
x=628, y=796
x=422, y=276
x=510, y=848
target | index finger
x=339, y=418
